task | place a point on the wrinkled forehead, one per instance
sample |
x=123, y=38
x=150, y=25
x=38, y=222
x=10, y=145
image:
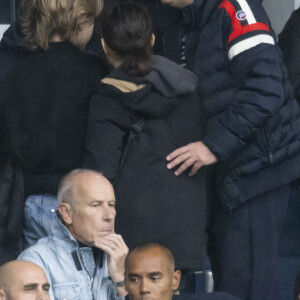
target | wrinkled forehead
x=91, y=187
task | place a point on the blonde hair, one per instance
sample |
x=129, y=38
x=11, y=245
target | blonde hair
x=41, y=20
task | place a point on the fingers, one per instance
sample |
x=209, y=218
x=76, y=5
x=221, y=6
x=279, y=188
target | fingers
x=112, y=244
x=184, y=156
x=195, y=169
x=179, y=159
x=184, y=166
x=107, y=246
x=195, y=155
x=177, y=152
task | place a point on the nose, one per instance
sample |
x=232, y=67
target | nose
x=42, y=295
x=144, y=287
x=109, y=213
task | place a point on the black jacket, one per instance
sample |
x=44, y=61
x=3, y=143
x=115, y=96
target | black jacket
x=44, y=102
x=134, y=123
x=11, y=213
x=289, y=42
x=44, y=107
x=12, y=50
x=253, y=124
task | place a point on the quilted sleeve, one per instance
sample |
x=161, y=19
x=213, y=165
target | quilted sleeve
x=255, y=69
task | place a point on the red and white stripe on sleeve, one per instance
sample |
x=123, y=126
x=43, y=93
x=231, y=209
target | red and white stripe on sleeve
x=247, y=31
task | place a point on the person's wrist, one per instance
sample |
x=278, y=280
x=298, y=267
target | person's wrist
x=120, y=287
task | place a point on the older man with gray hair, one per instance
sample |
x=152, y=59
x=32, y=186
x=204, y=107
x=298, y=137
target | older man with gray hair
x=83, y=258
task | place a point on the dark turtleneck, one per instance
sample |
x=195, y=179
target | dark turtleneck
x=96, y=252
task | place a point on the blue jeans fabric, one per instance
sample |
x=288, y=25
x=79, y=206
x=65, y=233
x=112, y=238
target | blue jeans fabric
x=39, y=217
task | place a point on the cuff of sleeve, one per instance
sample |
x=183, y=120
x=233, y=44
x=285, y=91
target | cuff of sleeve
x=219, y=152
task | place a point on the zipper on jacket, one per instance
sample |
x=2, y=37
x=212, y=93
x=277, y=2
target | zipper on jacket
x=269, y=145
x=94, y=273
x=228, y=207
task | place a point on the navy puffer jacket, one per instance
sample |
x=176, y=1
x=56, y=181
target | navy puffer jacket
x=253, y=124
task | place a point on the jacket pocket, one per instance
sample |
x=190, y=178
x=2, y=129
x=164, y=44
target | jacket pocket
x=66, y=291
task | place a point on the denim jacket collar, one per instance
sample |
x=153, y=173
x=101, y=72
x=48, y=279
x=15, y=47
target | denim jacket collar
x=86, y=256
x=60, y=230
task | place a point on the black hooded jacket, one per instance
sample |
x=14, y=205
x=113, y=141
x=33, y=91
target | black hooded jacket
x=134, y=123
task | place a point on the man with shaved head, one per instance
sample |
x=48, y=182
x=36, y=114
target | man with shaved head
x=23, y=280
x=149, y=272
x=83, y=258
x=150, y=275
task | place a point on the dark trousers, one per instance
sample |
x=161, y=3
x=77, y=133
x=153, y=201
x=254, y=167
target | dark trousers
x=243, y=247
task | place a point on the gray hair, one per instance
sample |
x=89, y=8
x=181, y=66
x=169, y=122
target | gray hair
x=66, y=187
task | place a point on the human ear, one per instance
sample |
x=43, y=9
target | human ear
x=2, y=295
x=111, y=56
x=66, y=212
x=104, y=46
x=176, y=280
x=152, y=40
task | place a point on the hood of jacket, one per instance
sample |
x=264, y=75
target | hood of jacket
x=12, y=39
x=155, y=95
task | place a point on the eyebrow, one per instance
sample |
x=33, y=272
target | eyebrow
x=95, y=201
x=34, y=285
x=133, y=275
x=155, y=273
x=101, y=201
x=151, y=274
x=30, y=285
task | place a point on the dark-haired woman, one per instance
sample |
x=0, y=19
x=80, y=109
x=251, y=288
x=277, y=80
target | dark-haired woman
x=143, y=110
